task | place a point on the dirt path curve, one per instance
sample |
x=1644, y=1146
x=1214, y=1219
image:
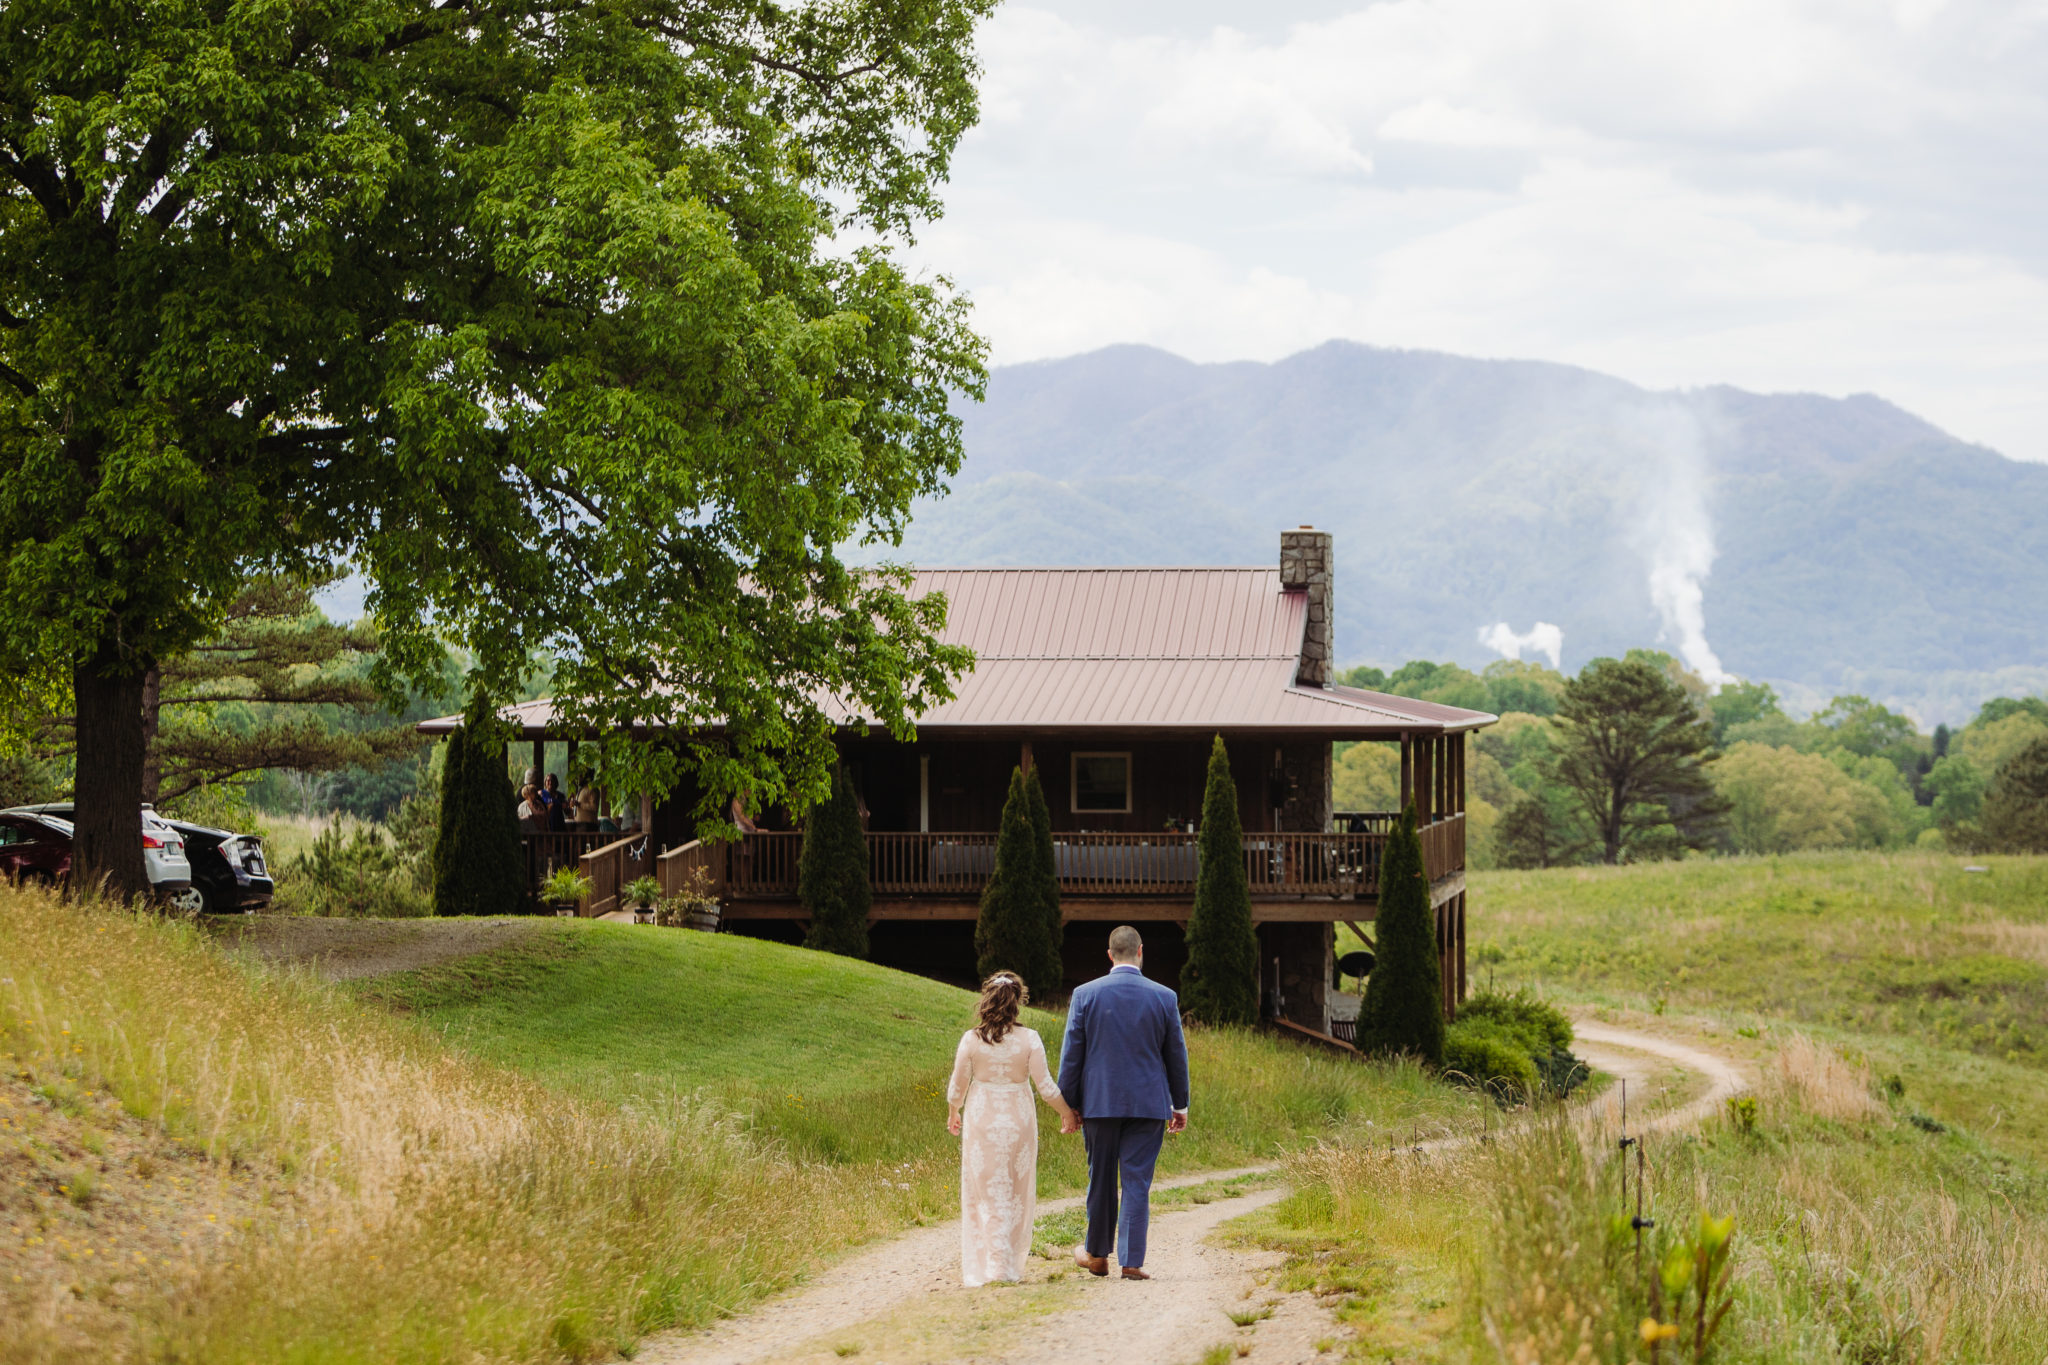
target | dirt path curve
x=1171, y=1319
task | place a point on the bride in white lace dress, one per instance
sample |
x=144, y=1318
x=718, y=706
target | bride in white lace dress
x=993, y=1113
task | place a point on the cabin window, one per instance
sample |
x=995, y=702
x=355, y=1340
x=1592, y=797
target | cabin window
x=1102, y=784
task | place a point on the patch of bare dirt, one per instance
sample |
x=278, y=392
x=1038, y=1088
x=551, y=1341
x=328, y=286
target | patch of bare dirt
x=352, y=949
x=99, y=1213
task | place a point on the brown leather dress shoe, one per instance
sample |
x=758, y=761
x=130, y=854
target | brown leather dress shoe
x=1094, y=1265
x=1132, y=1272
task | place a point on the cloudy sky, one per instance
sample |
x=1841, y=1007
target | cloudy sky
x=1837, y=197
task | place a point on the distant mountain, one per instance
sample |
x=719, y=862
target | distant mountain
x=1823, y=544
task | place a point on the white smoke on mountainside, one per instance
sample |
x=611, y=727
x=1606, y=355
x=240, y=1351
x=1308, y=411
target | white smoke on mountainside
x=1542, y=637
x=1674, y=531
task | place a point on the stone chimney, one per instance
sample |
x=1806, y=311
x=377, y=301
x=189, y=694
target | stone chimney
x=1307, y=564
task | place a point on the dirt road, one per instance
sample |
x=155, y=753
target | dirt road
x=901, y=1303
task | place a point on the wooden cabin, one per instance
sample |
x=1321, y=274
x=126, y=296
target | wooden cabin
x=1112, y=682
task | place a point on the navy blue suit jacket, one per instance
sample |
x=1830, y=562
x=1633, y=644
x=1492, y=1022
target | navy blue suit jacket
x=1123, y=1056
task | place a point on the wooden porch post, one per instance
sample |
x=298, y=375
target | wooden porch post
x=1024, y=756
x=540, y=762
x=1407, y=769
x=1425, y=781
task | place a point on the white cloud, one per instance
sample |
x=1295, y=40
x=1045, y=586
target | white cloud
x=1793, y=194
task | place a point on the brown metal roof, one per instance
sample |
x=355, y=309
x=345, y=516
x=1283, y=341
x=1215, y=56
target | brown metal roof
x=1132, y=650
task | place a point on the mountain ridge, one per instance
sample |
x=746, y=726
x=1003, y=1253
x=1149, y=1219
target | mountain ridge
x=1833, y=543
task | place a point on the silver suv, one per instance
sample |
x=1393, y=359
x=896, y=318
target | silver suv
x=163, y=852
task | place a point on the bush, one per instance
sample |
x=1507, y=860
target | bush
x=832, y=874
x=359, y=876
x=1219, y=984
x=1403, y=1009
x=1012, y=933
x=1516, y=1039
x=477, y=862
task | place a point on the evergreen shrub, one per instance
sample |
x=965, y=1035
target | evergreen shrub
x=1403, y=1009
x=832, y=874
x=1012, y=932
x=2015, y=818
x=478, y=868
x=1220, y=983
x=1047, y=879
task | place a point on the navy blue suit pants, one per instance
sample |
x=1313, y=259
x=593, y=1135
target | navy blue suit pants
x=1121, y=1154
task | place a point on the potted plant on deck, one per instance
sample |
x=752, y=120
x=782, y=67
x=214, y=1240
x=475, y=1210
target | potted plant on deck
x=694, y=907
x=565, y=889
x=641, y=894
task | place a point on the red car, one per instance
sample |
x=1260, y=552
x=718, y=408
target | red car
x=34, y=848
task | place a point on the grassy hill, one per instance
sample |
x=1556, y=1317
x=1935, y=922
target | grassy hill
x=841, y=1060
x=544, y=1151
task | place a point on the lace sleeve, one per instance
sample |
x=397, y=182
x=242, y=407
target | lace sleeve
x=963, y=1071
x=1041, y=1075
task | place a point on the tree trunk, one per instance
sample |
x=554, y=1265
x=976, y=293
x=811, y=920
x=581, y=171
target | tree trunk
x=152, y=705
x=107, y=831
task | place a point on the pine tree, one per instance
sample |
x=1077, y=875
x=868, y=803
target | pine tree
x=832, y=874
x=1048, y=882
x=2016, y=807
x=1403, y=1010
x=1220, y=984
x=1011, y=933
x=478, y=867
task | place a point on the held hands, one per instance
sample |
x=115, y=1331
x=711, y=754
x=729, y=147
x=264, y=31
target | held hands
x=1070, y=1122
x=953, y=1123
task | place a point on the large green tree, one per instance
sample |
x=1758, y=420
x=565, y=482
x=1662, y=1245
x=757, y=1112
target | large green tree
x=2016, y=807
x=577, y=325
x=1631, y=747
x=1220, y=983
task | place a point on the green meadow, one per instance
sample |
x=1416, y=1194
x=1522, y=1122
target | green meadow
x=1887, y=1182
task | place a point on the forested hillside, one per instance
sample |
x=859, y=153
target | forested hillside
x=1838, y=545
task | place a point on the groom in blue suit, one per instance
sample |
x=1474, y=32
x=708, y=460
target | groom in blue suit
x=1124, y=1070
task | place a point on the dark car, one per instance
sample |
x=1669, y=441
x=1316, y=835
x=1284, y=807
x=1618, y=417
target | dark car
x=228, y=869
x=35, y=848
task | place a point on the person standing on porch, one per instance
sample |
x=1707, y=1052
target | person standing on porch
x=1124, y=1068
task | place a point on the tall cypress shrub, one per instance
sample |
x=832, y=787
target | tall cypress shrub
x=1220, y=984
x=1010, y=934
x=1047, y=883
x=832, y=874
x=1403, y=1010
x=478, y=867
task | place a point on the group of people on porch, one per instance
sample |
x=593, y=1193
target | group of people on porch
x=543, y=805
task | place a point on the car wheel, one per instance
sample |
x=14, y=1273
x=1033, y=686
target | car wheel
x=190, y=901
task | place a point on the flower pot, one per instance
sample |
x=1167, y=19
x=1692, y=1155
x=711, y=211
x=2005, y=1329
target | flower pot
x=643, y=914
x=707, y=924
x=564, y=909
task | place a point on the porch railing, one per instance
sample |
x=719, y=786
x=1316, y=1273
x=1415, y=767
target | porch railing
x=611, y=867
x=547, y=850
x=763, y=866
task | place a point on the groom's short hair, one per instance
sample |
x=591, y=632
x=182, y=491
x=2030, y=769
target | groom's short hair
x=1124, y=943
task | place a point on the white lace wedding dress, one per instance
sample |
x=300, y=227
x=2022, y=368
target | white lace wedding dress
x=992, y=1083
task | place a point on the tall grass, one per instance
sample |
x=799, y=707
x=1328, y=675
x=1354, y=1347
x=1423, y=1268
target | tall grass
x=433, y=1208
x=1857, y=1237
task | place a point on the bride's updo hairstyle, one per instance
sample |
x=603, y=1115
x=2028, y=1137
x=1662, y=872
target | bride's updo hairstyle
x=1002, y=996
